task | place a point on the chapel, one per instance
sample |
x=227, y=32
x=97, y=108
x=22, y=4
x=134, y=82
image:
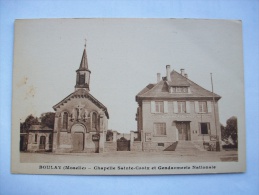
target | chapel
x=80, y=119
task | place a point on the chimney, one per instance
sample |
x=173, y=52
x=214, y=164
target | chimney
x=186, y=75
x=168, y=70
x=182, y=72
x=158, y=77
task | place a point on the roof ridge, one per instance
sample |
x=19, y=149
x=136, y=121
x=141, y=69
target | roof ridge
x=197, y=84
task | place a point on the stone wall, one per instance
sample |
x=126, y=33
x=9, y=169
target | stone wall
x=155, y=146
x=136, y=146
x=110, y=146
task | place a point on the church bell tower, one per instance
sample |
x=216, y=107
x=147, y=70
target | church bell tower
x=83, y=74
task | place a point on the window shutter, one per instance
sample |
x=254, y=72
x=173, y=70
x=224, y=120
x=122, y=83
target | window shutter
x=188, y=107
x=175, y=107
x=196, y=106
x=165, y=106
x=209, y=106
x=153, y=106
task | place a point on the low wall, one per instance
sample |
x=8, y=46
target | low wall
x=136, y=146
x=110, y=146
x=155, y=146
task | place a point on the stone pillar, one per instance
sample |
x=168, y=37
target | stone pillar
x=101, y=142
x=104, y=135
x=142, y=139
x=114, y=136
x=101, y=122
x=54, y=142
x=176, y=131
x=142, y=136
x=47, y=142
x=131, y=136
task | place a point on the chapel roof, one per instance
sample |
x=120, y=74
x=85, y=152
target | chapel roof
x=160, y=90
x=82, y=93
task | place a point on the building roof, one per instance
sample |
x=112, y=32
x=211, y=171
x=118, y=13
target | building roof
x=39, y=128
x=82, y=93
x=84, y=62
x=160, y=90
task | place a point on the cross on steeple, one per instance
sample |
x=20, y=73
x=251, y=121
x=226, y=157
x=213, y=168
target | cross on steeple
x=85, y=43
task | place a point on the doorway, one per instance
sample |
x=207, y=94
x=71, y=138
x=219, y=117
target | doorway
x=42, y=142
x=78, y=141
x=183, y=130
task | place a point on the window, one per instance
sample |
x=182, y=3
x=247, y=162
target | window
x=94, y=121
x=81, y=79
x=65, y=120
x=159, y=107
x=202, y=106
x=179, y=90
x=35, y=139
x=204, y=128
x=159, y=128
x=181, y=107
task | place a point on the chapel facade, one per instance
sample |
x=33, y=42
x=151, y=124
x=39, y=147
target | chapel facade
x=176, y=109
x=80, y=119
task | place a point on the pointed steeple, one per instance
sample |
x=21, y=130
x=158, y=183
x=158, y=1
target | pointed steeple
x=84, y=62
x=83, y=73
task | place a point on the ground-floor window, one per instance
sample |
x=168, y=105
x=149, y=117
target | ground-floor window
x=160, y=128
x=204, y=128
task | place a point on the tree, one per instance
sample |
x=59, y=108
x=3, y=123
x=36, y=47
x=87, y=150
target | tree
x=109, y=135
x=224, y=136
x=231, y=130
x=48, y=120
x=29, y=121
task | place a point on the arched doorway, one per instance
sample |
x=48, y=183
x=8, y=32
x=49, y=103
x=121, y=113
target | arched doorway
x=42, y=142
x=78, y=134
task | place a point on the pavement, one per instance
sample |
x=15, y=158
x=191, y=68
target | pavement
x=131, y=157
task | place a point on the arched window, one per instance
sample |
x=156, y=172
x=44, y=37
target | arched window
x=94, y=121
x=65, y=120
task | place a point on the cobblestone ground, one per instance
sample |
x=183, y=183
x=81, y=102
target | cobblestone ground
x=130, y=157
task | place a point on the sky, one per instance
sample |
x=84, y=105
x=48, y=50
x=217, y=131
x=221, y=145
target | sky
x=124, y=55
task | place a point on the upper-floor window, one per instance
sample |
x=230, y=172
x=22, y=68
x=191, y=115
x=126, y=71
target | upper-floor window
x=181, y=107
x=179, y=90
x=35, y=138
x=203, y=106
x=160, y=129
x=65, y=120
x=159, y=107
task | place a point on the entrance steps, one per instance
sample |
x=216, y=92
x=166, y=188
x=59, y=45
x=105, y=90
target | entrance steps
x=199, y=145
x=187, y=146
x=171, y=147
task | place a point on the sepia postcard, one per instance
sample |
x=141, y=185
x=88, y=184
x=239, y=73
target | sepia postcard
x=128, y=97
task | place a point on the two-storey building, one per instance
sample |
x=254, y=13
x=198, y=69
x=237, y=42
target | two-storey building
x=176, y=109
